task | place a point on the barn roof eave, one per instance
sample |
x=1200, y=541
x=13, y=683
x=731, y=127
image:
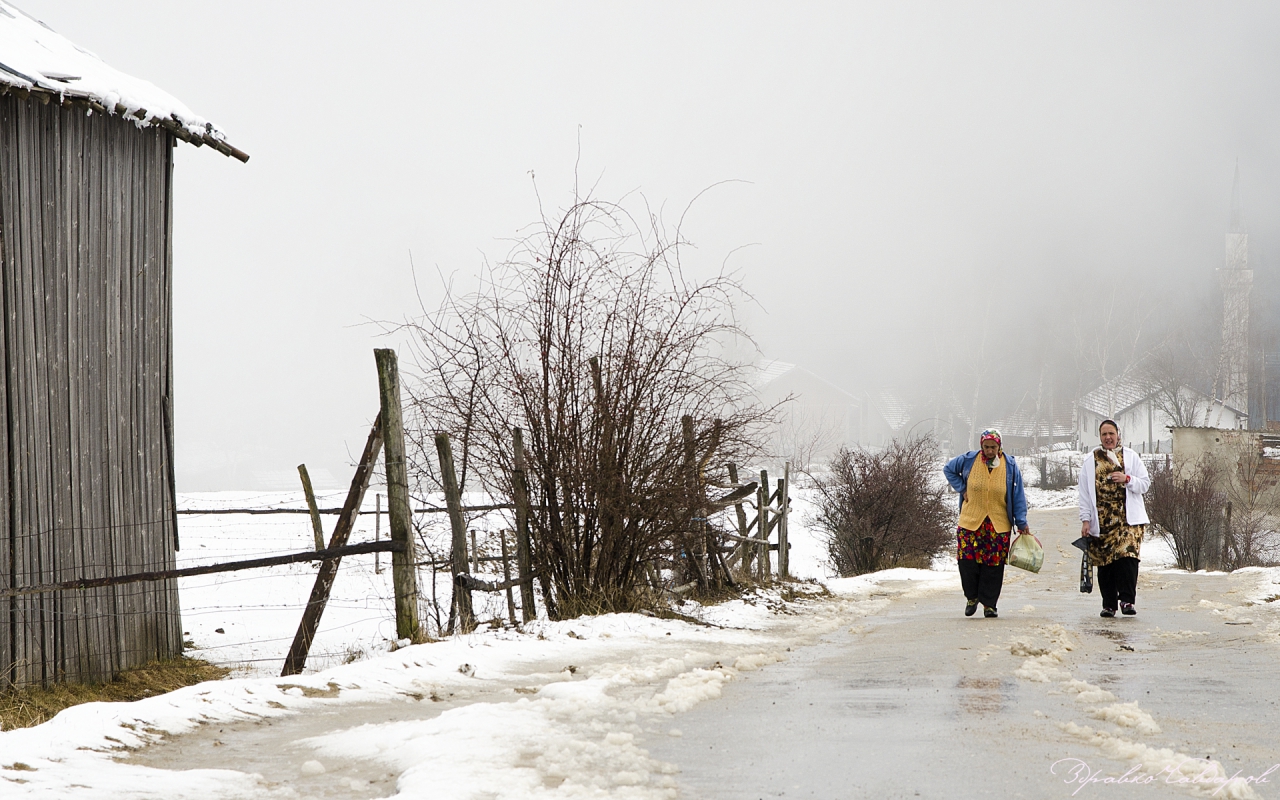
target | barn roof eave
x=140, y=117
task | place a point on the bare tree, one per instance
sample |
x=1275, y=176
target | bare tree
x=1186, y=507
x=591, y=338
x=1253, y=508
x=1176, y=374
x=883, y=509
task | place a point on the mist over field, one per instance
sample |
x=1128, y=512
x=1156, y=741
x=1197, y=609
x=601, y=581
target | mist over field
x=921, y=197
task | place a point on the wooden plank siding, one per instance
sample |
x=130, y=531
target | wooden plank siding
x=86, y=363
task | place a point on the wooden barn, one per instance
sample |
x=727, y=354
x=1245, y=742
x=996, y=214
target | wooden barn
x=86, y=400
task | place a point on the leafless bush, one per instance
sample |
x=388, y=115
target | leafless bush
x=1187, y=509
x=1253, y=503
x=1055, y=474
x=593, y=341
x=883, y=509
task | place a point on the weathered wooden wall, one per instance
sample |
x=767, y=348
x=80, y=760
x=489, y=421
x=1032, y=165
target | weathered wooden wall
x=86, y=490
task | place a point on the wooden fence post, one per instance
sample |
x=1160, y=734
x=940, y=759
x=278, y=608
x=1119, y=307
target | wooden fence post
x=399, y=516
x=377, y=532
x=784, y=557
x=458, y=523
x=762, y=525
x=297, y=658
x=316, y=528
x=744, y=550
x=506, y=577
x=524, y=556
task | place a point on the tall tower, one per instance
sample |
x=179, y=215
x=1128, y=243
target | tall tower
x=1237, y=284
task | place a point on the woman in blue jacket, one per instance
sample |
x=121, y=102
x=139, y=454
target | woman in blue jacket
x=992, y=503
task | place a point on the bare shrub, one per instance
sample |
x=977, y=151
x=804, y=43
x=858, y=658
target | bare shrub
x=1056, y=474
x=1253, y=503
x=1187, y=509
x=591, y=338
x=883, y=509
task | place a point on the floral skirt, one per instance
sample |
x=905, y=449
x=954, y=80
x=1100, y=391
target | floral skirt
x=984, y=545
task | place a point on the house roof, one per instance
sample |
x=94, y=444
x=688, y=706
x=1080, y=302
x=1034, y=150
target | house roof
x=1117, y=396
x=1052, y=424
x=768, y=372
x=892, y=409
x=39, y=62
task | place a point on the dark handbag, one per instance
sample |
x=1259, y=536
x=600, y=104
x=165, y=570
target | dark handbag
x=1086, y=574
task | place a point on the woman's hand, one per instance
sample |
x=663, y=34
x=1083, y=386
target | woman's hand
x=1084, y=527
x=1118, y=477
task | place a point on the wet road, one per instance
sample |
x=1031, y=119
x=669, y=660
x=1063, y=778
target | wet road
x=919, y=701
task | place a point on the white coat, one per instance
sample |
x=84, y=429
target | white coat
x=1135, y=510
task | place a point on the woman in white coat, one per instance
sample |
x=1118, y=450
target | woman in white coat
x=1113, y=516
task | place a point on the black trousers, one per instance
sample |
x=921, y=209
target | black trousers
x=981, y=582
x=1118, y=581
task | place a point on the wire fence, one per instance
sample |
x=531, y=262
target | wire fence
x=247, y=620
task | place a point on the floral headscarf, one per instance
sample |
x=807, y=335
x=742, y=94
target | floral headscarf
x=990, y=435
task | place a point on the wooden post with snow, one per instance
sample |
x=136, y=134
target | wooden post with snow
x=404, y=576
x=458, y=523
x=316, y=528
x=524, y=554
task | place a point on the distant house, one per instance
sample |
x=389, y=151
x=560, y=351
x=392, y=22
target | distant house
x=888, y=417
x=820, y=418
x=1023, y=431
x=86, y=397
x=1140, y=411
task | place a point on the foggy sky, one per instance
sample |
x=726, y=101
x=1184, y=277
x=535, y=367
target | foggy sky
x=907, y=171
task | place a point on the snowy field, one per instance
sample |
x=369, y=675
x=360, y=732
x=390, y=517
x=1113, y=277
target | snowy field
x=247, y=620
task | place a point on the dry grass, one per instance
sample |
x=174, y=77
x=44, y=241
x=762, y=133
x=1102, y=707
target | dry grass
x=23, y=708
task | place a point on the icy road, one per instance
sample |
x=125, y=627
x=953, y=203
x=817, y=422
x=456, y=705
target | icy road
x=1047, y=701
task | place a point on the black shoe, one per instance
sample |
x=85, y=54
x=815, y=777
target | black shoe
x=970, y=606
x=1127, y=609
x=989, y=612
x=1108, y=613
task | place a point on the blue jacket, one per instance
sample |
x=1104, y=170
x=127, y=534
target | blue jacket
x=1015, y=500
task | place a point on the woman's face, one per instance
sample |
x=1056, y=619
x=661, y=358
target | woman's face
x=1109, y=436
x=989, y=449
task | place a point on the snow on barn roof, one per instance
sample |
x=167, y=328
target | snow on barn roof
x=34, y=59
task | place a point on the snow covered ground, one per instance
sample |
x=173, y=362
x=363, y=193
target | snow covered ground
x=620, y=705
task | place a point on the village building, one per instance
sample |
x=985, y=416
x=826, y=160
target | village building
x=1235, y=399
x=1141, y=411
x=86, y=388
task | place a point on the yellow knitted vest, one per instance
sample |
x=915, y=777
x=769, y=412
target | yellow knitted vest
x=986, y=497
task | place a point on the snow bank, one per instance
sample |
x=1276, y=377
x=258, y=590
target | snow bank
x=554, y=709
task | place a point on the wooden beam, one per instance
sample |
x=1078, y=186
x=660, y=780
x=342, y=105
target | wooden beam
x=209, y=569
x=297, y=657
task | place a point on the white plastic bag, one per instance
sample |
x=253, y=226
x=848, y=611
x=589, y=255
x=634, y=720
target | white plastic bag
x=1026, y=553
